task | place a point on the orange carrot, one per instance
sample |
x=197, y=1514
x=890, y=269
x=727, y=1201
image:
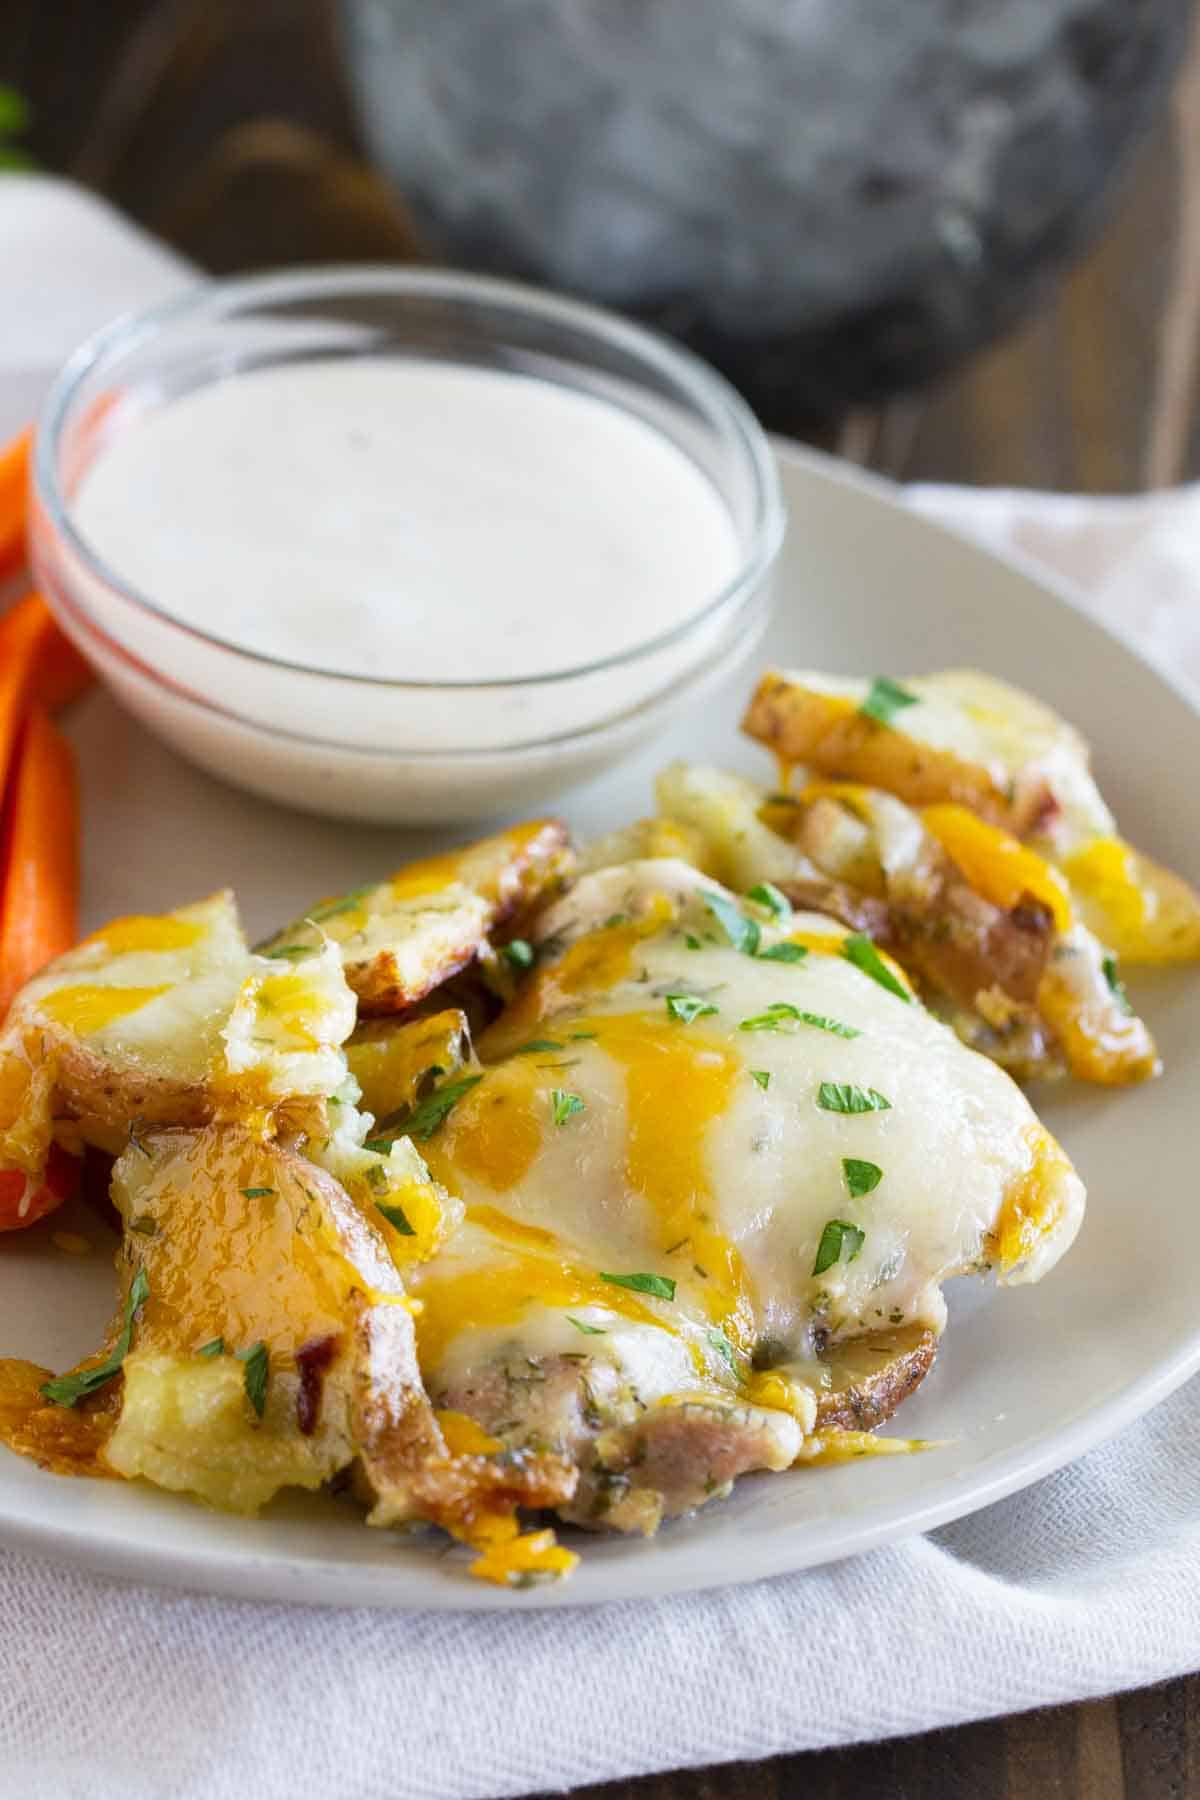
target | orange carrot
x=58, y=674
x=14, y=489
x=39, y=895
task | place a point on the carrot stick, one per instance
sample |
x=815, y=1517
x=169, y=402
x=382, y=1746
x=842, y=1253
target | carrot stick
x=14, y=490
x=37, y=664
x=58, y=674
x=39, y=896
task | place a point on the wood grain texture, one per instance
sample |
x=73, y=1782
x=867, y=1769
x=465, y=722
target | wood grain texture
x=224, y=126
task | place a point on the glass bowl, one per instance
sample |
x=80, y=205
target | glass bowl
x=364, y=746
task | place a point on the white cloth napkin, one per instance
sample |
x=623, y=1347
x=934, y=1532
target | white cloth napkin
x=1086, y=1583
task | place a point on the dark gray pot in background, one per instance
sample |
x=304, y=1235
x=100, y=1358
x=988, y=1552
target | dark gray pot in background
x=833, y=199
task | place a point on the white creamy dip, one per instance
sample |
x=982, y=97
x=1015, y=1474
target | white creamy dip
x=407, y=519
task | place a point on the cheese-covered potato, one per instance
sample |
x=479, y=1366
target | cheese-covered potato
x=401, y=938
x=705, y=1147
x=264, y=1341
x=965, y=738
x=167, y=1020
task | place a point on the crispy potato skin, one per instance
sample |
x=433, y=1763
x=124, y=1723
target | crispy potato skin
x=439, y=914
x=872, y=1376
x=829, y=734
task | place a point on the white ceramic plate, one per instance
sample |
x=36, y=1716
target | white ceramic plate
x=1025, y=1380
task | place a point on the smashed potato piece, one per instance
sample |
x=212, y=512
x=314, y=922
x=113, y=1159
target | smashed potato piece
x=392, y=1187
x=392, y=1059
x=126, y=1026
x=647, y=840
x=284, y=1034
x=1143, y=912
x=968, y=739
x=257, y=1347
x=721, y=811
x=399, y=939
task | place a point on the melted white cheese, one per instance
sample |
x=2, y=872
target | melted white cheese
x=723, y=1159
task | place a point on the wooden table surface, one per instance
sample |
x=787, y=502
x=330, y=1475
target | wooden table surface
x=223, y=126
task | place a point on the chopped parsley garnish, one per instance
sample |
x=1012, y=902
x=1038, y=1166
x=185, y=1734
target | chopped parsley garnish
x=431, y=1114
x=860, y=951
x=661, y=1286
x=692, y=941
x=765, y=893
x=536, y=1044
x=861, y=1177
x=885, y=700
x=291, y=952
x=144, y=1225
x=743, y=933
x=782, y=799
x=377, y=1179
x=565, y=1105
x=256, y=1193
x=837, y=1238
x=580, y=1037
x=686, y=1007
x=780, y=1015
x=1116, y=985
x=587, y=1330
x=726, y=1352
x=214, y=1347
x=518, y=954
x=785, y=953
x=379, y=1146
x=258, y=1370
x=348, y=903
x=845, y=1097
x=396, y=1217
x=615, y=919
x=763, y=1078
x=69, y=1390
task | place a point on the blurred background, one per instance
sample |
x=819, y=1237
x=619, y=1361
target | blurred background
x=955, y=239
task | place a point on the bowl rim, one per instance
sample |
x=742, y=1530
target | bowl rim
x=714, y=396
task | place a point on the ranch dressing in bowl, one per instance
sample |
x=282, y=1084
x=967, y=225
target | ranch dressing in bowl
x=403, y=545
x=412, y=520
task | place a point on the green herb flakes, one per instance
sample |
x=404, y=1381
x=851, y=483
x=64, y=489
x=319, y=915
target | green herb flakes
x=349, y=902
x=766, y=894
x=291, y=953
x=536, y=1044
x=518, y=954
x=565, y=1105
x=781, y=1016
x=845, y=1097
x=786, y=952
x=69, y=1390
x=214, y=1347
x=860, y=951
x=861, y=1177
x=1116, y=985
x=258, y=1372
x=661, y=1286
x=743, y=933
x=431, y=1113
x=396, y=1217
x=686, y=1007
x=840, y=1242
x=256, y=1193
x=725, y=1350
x=763, y=1078
x=587, y=1330
x=885, y=700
